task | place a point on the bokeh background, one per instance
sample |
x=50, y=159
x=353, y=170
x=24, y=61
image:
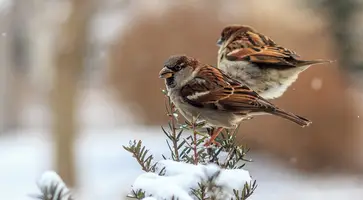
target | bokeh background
x=79, y=79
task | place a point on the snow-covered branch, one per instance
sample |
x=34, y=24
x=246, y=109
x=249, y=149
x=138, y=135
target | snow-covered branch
x=181, y=179
x=52, y=187
x=192, y=171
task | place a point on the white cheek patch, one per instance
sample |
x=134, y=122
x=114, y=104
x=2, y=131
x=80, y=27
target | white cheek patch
x=197, y=95
x=184, y=76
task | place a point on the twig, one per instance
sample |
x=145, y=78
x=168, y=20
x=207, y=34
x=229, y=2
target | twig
x=194, y=126
x=173, y=129
x=195, y=145
x=143, y=167
x=140, y=153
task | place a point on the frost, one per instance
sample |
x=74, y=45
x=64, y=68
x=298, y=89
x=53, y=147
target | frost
x=180, y=178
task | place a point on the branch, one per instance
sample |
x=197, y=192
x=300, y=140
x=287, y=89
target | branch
x=171, y=112
x=139, y=152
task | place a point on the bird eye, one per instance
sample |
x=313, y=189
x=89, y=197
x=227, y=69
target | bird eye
x=178, y=67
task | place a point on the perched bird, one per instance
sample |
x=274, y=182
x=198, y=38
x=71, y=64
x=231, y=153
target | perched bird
x=254, y=59
x=198, y=89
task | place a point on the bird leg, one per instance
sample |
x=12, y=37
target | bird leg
x=214, y=135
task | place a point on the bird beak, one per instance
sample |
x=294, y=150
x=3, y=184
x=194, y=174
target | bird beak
x=219, y=42
x=166, y=73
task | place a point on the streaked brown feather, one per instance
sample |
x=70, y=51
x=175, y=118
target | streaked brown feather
x=224, y=93
x=222, y=100
x=249, y=45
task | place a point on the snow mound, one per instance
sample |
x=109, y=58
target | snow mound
x=51, y=185
x=149, y=198
x=179, y=179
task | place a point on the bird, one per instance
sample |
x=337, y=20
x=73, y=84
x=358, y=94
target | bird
x=221, y=102
x=255, y=59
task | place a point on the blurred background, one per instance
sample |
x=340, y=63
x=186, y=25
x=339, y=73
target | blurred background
x=79, y=79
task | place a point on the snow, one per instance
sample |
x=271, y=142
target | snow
x=233, y=179
x=149, y=198
x=180, y=178
x=164, y=187
x=106, y=171
x=229, y=178
x=51, y=178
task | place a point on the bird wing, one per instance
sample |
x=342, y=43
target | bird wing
x=254, y=47
x=212, y=89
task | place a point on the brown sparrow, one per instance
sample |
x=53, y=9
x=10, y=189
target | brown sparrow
x=254, y=59
x=198, y=89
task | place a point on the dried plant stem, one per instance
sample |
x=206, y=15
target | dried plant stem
x=175, y=144
x=195, y=144
x=173, y=129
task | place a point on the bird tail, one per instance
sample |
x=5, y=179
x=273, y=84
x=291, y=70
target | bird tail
x=313, y=62
x=292, y=117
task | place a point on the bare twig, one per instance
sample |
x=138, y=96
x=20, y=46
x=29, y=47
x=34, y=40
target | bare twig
x=172, y=115
x=195, y=143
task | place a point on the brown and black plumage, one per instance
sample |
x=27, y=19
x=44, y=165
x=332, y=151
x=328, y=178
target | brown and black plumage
x=256, y=60
x=202, y=90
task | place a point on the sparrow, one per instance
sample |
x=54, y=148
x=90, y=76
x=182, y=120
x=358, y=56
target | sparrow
x=253, y=58
x=219, y=101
